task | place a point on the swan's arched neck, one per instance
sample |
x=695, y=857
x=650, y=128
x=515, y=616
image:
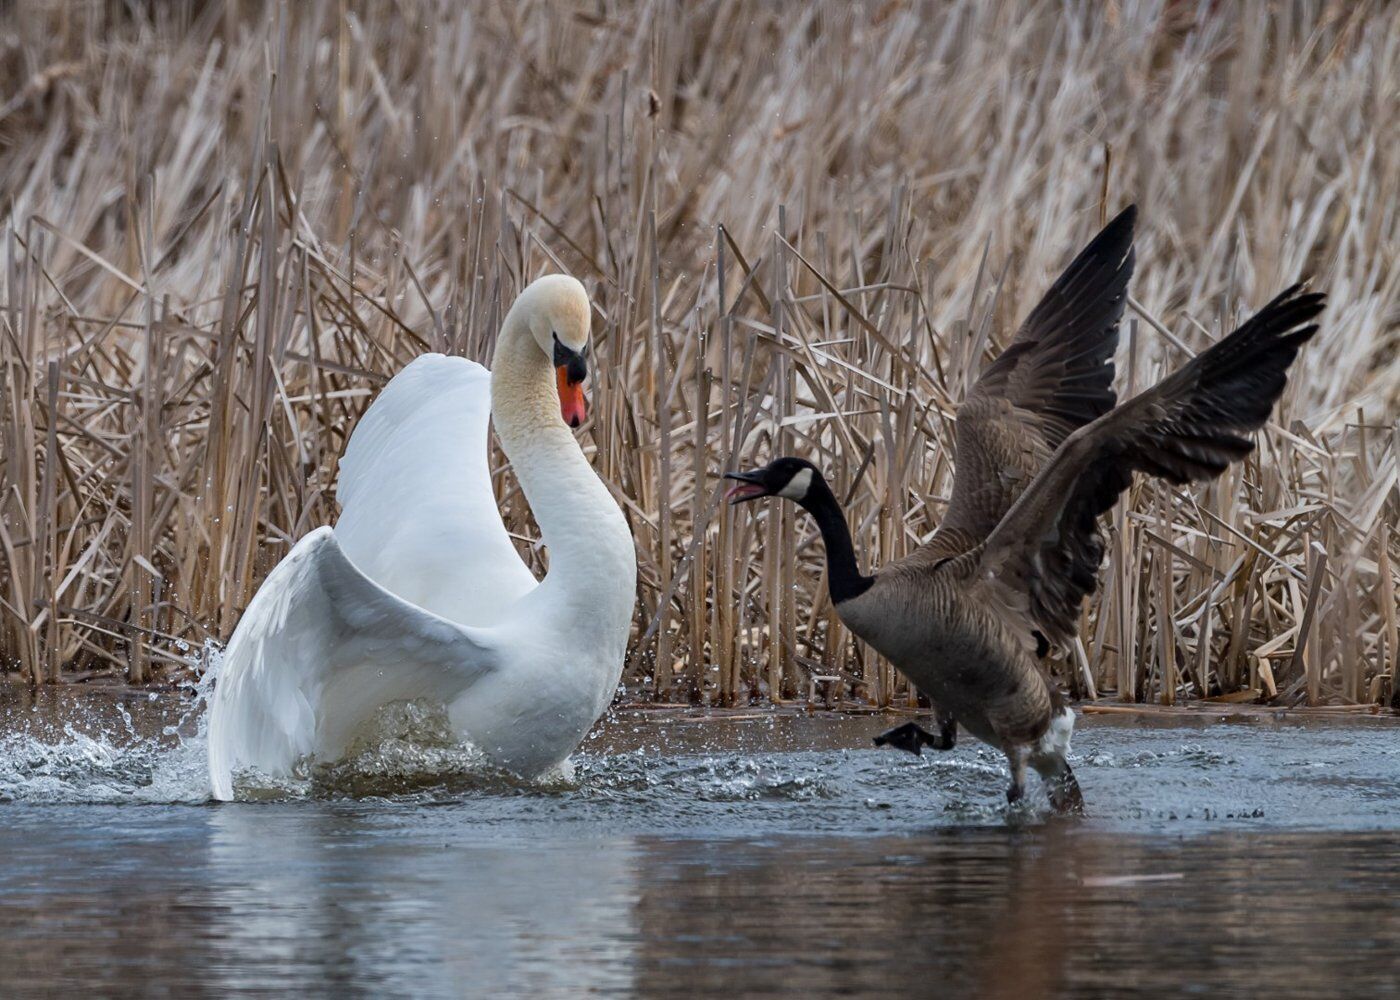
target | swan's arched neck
x=591, y=554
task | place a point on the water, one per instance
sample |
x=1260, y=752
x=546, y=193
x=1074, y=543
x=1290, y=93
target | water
x=760, y=856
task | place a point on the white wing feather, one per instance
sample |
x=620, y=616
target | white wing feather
x=418, y=513
x=319, y=650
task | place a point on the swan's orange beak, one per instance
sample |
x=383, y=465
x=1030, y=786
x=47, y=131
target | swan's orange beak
x=572, y=405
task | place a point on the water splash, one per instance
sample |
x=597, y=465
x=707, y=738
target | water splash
x=100, y=753
x=121, y=746
x=118, y=746
x=409, y=748
x=103, y=756
x=133, y=747
x=101, y=767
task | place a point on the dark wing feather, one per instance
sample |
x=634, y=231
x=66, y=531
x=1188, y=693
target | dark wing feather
x=1044, y=556
x=1054, y=376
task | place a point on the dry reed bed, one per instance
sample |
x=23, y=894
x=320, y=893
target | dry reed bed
x=805, y=229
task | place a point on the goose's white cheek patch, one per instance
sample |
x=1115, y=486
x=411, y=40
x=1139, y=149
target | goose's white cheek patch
x=797, y=486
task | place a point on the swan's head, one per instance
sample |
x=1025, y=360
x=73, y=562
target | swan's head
x=783, y=477
x=557, y=312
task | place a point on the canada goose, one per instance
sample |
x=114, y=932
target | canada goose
x=1055, y=376
x=418, y=592
x=1042, y=452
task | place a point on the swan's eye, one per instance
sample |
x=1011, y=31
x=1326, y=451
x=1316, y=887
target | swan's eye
x=571, y=361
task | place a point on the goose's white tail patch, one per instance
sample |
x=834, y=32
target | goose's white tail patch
x=1056, y=738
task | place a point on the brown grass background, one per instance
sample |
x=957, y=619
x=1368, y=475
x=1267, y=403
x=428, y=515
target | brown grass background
x=805, y=228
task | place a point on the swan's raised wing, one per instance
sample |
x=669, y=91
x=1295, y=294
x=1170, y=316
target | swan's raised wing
x=1055, y=376
x=319, y=650
x=419, y=515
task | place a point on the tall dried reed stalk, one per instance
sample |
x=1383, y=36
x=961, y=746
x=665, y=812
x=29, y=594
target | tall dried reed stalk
x=806, y=227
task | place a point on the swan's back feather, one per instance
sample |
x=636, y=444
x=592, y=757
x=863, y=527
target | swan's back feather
x=418, y=512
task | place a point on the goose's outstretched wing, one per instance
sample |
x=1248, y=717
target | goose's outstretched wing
x=319, y=650
x=418, y=514
x=1042, y=559
x=1055, y=376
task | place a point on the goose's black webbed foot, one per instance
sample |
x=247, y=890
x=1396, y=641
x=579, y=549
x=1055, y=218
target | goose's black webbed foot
x=910, y=737
x=1015, y=793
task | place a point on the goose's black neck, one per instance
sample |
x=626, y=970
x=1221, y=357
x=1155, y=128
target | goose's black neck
x=844, y=578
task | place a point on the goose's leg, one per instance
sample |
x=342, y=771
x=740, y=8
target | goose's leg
x=947, y=732
x=1016, y=757
x=1060, y=783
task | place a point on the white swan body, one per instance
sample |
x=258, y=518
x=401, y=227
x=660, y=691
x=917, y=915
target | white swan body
x=418, y=592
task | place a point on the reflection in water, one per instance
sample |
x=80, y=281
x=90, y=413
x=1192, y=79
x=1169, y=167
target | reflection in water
x=980, y=915
x=84, y=910
x=285, y=900
x=382, y=900
x=422, y=916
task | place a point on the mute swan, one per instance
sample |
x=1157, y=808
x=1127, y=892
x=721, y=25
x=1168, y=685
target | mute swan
x=1044, y=448
x=418, y=593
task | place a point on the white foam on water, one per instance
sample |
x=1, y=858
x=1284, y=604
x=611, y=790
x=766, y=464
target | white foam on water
x=96, y=759
x=103, y=760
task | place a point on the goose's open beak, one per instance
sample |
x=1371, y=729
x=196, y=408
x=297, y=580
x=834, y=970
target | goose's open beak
x=573, y=407
x=750, y=486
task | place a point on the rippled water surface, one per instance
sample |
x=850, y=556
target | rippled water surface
x=757, y=855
